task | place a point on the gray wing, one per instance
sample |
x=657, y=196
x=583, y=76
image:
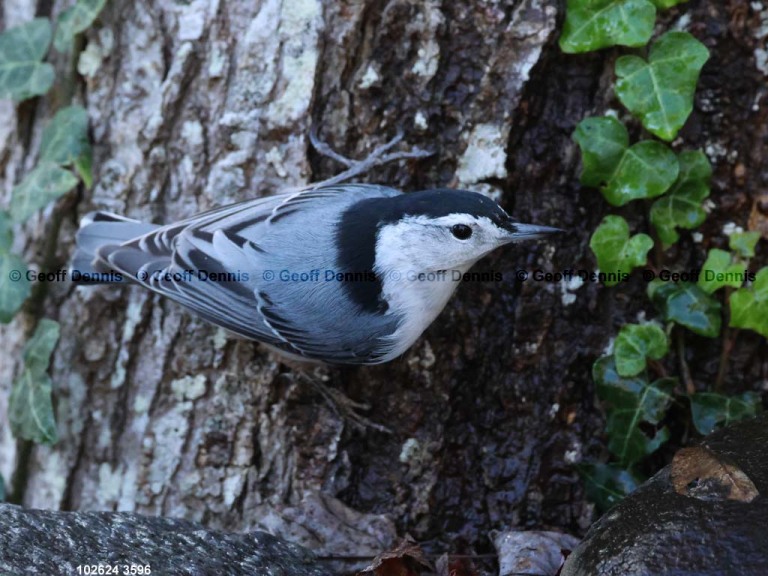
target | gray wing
x=226, y=265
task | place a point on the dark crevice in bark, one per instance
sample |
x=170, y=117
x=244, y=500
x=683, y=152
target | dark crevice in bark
x=21, y=472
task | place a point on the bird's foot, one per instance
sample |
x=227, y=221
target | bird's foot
x=341, y=404
x=378, y=157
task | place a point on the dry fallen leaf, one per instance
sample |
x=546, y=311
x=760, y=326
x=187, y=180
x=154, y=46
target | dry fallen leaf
x=455, y=566
x=406, y=559
x=533, y=551
x=758, y=217
x=700, y=473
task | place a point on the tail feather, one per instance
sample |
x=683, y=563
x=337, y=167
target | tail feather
x=98, y=230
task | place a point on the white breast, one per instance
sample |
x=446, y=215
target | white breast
x=414, y=294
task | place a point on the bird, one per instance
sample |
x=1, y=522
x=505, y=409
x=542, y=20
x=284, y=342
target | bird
x=340, y=274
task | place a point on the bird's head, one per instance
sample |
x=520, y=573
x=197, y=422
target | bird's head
x=446, y=230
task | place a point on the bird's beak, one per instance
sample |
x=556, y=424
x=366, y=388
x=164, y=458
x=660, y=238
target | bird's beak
x=524, y=232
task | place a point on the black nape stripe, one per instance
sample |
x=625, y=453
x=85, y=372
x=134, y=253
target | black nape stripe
x=357, y=232
x=356, y=241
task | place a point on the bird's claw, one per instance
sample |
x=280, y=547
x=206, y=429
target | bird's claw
x=378, y=157
x=342, y=405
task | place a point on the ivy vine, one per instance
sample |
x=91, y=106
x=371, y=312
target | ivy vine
x=658, y=91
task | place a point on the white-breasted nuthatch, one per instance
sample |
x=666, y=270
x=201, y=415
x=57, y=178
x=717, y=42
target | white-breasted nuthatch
x=342, y=274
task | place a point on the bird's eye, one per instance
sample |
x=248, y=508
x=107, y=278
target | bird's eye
x=461, y=231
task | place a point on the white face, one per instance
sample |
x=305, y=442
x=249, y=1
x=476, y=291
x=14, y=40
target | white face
x=452, y=242
x=423, y=245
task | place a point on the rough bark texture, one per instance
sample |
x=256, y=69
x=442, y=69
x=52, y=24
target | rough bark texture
x=201, y=103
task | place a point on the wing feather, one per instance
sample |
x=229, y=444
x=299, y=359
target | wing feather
x=243, y=241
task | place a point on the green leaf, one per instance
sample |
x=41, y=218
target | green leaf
x=14, y=286
x=74, y=20
x=632, y=401
x=688, y=305
x=635, y=343
x=607, y=484
x=65, y=139
x=624, y=173
x=83, y=166
x=664, y=4
x=615, y=251
x=22, y=73
x=594, y=24
x=658, y=291
x=603, y=141
x=38, y=350
x=44, y=184
x=6, y=231
x=711, y=410
x=743, y=243
x=30, y=408
x=660, y=91
x=719, y=270
x=749, y=305
x=682, y=207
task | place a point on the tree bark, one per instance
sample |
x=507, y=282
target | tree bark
x=208, y=102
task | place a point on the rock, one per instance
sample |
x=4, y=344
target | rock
x=50, y=542
x=532, y=552
x=699, y=516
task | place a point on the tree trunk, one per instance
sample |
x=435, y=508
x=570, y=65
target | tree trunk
x=203, y=103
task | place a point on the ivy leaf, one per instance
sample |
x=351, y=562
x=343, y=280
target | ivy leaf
x=696, y=310
x=623, y=173
x=682, y=207
x=83, y=166
x=749, y=305
x=603, y=141
x=41, y=186
x=14, y=286
x=710, y=410
x=594, y=24
x=30, y=409
x=6, y=232
x=65, y=139
x=607, y=484
x=664, y=4
x=688, y=305
x=74, y=20
x=615, y=251
x=632, y=401
x=65, y=142
x=719, y=270
x=658, y=291
x=22, y=72
x=660, y=91
x=743, y=243
x=38, y=350
x=635, y=343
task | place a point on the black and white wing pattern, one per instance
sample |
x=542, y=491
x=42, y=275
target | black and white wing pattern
x=257, y=269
